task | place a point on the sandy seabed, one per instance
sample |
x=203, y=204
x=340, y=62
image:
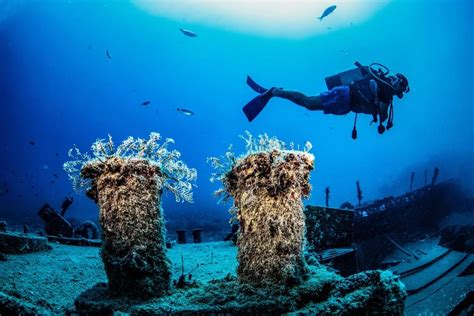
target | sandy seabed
x=53, y=279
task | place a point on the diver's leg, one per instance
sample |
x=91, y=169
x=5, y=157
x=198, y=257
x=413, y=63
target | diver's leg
x=311, y=103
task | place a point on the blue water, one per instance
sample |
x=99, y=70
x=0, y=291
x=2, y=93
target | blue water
x=58, y=88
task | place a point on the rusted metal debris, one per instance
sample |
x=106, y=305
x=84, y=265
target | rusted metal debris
x=54, y=223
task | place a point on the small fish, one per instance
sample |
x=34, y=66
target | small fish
x=55, y=175
x=108, y=54
x=326, y=12
x=32, y=143
x=188, y=32
x=57, y=154
x=146, y=102
x=185, y=112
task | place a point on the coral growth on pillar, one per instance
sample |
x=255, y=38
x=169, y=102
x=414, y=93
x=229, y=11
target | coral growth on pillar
x=267, y=185
x=127, y=182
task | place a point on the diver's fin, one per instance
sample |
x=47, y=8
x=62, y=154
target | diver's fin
x=255, y=86
x=253, y=108
x=256, y=105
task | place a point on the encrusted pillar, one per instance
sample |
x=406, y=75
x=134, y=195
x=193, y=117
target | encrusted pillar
x=268, y=188
x=133, y=252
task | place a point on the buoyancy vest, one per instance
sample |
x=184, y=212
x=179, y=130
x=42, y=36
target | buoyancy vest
x=362, y=99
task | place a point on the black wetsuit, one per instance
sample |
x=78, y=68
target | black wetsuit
x=363, y=101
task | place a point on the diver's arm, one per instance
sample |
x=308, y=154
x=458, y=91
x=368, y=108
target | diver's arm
x=312, y=103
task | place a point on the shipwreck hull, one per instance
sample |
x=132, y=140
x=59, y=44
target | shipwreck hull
x=366, y=228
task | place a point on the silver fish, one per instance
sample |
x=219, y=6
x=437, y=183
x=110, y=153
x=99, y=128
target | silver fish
x=185, y=112
x=188, y=32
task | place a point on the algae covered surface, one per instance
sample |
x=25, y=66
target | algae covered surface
x=323, y=293
x=51, y=281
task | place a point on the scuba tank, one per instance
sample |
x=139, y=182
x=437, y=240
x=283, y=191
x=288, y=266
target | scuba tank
x=363, y=88
x=348, y=77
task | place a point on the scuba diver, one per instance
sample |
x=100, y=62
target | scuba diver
x=364, y=89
